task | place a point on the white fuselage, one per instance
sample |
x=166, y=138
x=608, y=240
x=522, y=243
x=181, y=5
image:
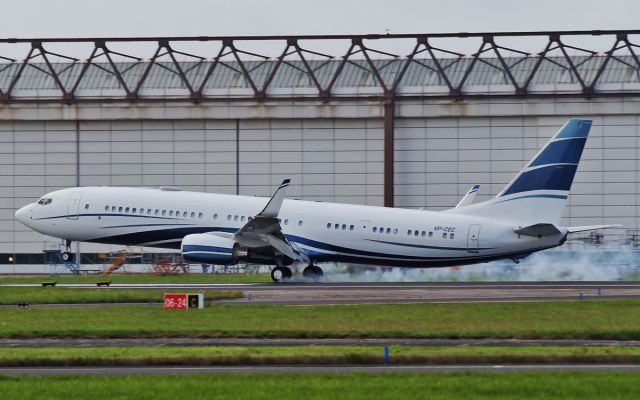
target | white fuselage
x=324, y=231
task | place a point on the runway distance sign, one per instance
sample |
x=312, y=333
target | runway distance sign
x=183, y=301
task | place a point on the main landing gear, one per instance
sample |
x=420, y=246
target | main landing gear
x=312, y=272
x=67, y=256
x=279, y=274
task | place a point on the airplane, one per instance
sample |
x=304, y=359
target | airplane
x=290, y=234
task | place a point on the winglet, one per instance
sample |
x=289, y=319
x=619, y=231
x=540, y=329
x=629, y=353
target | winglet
x=272, y=208
x=469, y=197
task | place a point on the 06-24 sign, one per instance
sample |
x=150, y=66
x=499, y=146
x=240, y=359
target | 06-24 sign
x=183, y=301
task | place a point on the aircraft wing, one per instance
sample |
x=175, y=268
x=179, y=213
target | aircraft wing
x=469, y=197
x=264, y=229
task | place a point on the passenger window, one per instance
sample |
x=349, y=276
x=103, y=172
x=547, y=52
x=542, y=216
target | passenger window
x=381, y=229
x=106, y=208
x=388, y=230
x=286, y=221
x=157, y=211
x=395, y=231
x=344, y=226
x=424, y=234
x=415, y=233
x=375, y=229
x=229, y=217
x=215, y=216
x=133, y=210
x=126, y=210
x=113, y=209
x=409, y=232
x=119, y=209
x=336, y=226
x=141, y=211
x=235, y=217
x=86, y=206
x=199, y=215
x=242, y=218
x=328, y=225
x=149, y=211
x=184, y=214
x=451, y=236
x=444, y=235
x=171, y=213
x=351, y=227
x=164, y=212
x=430, y=234
x=300, y=222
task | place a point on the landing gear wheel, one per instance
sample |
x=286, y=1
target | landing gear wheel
x=279, y=274
x=312, y=272
x=67, y=256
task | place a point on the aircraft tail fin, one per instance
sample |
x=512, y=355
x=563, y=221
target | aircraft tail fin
x=539, y=192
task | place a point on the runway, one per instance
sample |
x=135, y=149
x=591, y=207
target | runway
x=304, y=293
x=130, y=342
x=113, y=371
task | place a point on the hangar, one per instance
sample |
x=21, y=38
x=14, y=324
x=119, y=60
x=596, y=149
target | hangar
x=393, y=120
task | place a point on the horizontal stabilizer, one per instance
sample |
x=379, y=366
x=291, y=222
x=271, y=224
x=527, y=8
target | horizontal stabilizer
x=538, y=230
x=575, y=229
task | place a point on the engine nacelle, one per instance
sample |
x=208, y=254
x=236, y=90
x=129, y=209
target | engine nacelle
x=211, y=249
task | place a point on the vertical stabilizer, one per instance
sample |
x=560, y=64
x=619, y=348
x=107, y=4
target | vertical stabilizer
x=539, y=192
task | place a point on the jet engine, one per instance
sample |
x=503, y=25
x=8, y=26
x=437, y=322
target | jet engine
x=212, y=249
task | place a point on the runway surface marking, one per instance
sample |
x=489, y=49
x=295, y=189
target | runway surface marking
x=309, y=369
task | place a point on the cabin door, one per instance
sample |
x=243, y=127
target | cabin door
x=73, y=207
x=473, y=239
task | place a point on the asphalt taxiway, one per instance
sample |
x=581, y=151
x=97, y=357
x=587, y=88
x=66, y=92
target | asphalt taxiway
x=181, y=370
x=306, y=293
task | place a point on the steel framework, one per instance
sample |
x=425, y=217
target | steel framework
x=441, y=62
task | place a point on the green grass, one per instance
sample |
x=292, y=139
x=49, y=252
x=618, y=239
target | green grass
x=139, y=278
x=61, y=295
x=587, y=319
x=344, y=386
x=311, y=355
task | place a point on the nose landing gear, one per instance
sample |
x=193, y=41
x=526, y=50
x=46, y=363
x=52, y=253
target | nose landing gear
x=67, y=256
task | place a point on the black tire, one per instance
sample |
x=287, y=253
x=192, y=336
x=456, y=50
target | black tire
x=66, y=256
x=279, y=274
x=313, y=272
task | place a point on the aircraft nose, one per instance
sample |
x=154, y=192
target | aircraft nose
x=22, y=214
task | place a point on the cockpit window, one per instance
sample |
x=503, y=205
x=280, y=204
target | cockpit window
x=44, y=201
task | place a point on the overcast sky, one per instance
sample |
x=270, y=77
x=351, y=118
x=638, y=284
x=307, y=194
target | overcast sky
x=91, y=18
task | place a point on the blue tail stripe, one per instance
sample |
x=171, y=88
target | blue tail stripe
x=561, y=152
x=552, y=177
x=575, y=128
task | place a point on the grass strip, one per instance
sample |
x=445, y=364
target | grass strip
x=138, y=278
x=616, y=320
x=344, y=386
x=312, y=355
x=62, y=295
